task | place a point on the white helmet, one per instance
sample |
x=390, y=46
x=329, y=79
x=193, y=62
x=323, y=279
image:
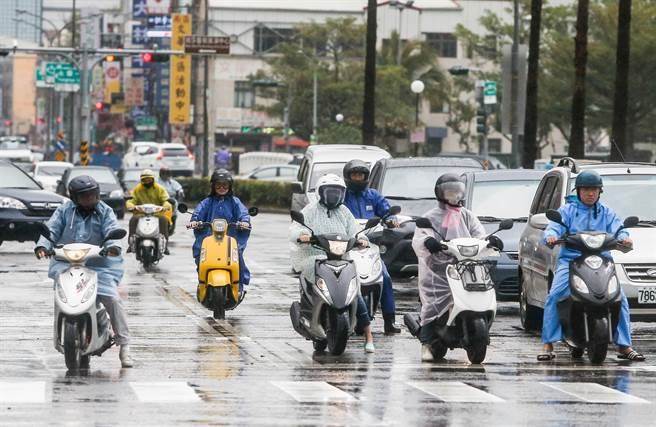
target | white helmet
x=331, y=189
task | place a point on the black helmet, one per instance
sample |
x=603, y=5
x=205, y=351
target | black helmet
x=589, y=178
x=80, y=185
x=356, y=166
x=164, y=172
x=221, y=175
x=450, y=189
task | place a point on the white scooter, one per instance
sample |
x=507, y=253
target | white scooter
x=149, y=242
x=469, y=319
x=81, y=323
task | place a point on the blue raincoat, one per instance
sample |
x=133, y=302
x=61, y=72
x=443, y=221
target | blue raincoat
x=367, y=204
x=231, y=209
x=68, y=225
x=580, y=217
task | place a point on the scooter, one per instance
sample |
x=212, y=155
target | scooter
x=326, y=312
x=218, y=270
x=468, y=321
x=591, y=313
x=149, y=243
x=174, y=201
x=81, y=323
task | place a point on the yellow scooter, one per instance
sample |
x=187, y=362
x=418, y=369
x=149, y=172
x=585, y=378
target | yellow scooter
x=218, y=269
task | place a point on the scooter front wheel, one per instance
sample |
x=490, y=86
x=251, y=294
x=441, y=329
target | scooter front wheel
x=72, y=348
x=219, y=302
x=319, y=345
x=478, y=336
x=598, y=345
x=439, y=350
x=337, y=332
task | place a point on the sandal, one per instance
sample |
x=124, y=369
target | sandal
x=633, y=356
x=546, y=357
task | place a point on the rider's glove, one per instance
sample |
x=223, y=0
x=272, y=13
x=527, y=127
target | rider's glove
x=41, y=252
x=243, y=225
x=433, y=245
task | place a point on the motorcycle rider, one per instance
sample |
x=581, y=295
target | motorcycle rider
x=222, y=203
x=86, y=219
x=365, y=203
x=583, y=212
x=171, y=186
x=452, y=221
x=149, y=192
x=329, y=215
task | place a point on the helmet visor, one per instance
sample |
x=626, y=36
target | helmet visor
x=453, y=192
x=332, y=195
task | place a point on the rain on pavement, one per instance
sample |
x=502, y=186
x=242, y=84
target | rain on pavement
x=253, y=368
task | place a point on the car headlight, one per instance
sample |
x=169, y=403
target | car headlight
x=579, y=284
x=75, y=255
x=11, y=203
x=352, y=290
x=594, y=262
x=468, y=251
x=116, y=194
x=452, y=272
x=89, y=292
x=323, y=290
x=613, y=285
x=377, y=268
x=593, y=241
x=60, y=292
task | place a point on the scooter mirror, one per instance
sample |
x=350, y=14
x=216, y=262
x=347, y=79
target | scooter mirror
x=372, y=222
x=555, y=216
x=423, y=223
x=253, y=211
x=115, y=234
x=182, y=208
x=395, y=210
x=506, y=224
x=631, y=221
x=298, y=217
x=44, y=230
x=171, y=201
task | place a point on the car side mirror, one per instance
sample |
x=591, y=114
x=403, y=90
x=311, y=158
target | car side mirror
x=423, y=223
x=253, y=211
x=631, y=221
x=506, y=224
x=298, y=217
x=182, y=208
x=115, y=234
x=539, y=221
x=297, y=187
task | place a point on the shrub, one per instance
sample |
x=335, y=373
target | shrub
x=266, y=194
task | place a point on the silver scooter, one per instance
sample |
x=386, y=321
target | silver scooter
x=81, y=323
x=149, y=242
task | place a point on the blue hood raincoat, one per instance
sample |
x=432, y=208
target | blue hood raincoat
x=366, y=204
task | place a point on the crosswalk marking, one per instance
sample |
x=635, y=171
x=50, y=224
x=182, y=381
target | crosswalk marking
x=454, y=391
x=23, y=392
x=158, y=392
x=313, y=391
x=594, y=393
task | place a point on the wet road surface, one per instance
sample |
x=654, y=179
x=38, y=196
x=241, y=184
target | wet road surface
x=254, y=369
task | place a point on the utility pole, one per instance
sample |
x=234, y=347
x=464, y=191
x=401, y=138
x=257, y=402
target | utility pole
x=72, y=136
x=514, y=89
x=369, y=105
x=530, y=143
x=315, y=88
x=206, y=145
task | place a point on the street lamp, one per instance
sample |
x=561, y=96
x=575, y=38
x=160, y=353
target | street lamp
x=417, y=87
x=339, y=117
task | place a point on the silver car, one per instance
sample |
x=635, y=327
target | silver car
x=629, y=189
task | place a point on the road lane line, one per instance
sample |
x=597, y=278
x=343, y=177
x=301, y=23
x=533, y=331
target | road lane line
x=23, y=392
x=454, y=392
x=313, y=391
x=159, y=392
x=594, y=393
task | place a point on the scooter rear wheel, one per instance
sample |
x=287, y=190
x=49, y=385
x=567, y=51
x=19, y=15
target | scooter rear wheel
x=337, y=332
x=598, y=345
x=219, y=302
x=72, y=348
x=478, y=336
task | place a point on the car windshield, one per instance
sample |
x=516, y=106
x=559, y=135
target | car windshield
x=503, y=199
x=631, y=195
x=415, y=182
x=51, y=170
x=14, y=145
x=321, y=169
x=102, y=176
x=132, y=175
x=12, y=177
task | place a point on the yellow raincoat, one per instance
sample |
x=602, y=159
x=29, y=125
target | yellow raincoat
x=155, y=195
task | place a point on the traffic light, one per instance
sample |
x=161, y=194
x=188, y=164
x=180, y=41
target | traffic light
x=481, y=121
x=110, y=58
x=148, y=57
x=101, y=106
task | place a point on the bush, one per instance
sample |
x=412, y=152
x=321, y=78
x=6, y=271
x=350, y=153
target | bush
x=263, y=194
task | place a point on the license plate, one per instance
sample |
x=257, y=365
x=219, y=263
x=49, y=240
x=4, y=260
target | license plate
x=647, y=296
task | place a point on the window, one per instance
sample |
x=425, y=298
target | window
x=244, y=94
x=13, y=177
x=266, y=39
x=265, y=173
x=288, y=172
x=445, y=44
x=486, y=196
x=494, y=145
x=489, y=48
x=439, y=108
x=546, y=194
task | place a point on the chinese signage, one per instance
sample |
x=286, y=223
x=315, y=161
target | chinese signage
x=159, y=26
x=207, y=44
x=180, y=73
x=112, y=79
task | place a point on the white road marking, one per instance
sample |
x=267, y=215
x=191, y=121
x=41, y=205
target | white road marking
x=313, y=391
x=454, y=391
x=594, y=393
x=158, y=392
x=23, y=392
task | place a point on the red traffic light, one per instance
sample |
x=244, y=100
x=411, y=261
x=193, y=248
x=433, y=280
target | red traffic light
x=147, y=57
x=99, y=106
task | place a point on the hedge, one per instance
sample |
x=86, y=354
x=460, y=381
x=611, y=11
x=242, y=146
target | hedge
x=263, y=194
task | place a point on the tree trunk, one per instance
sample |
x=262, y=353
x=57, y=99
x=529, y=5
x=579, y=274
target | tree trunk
x=530, y=146
x=621, y=148
x=577, y=139
x=369, y=107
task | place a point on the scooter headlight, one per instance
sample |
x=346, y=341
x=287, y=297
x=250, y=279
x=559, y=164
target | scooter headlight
x=594, y=262
x=452, y=273
x=338, y=247
x=579, y=284
x=377, y=268
x=75, y=255
x=382, y=249
x=593, y=241
x=613, y=285
x=468, y=251
x=323, y=290
x=60, y=292
x=88, y=293
x=352, y=291
x=219, y=226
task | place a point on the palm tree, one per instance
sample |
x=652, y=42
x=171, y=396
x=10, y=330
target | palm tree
x=369, y=107
x=530, y=146
x=621, y=100
x=577, y=134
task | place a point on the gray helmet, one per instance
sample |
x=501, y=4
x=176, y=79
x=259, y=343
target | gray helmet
x=80, y=185
x=450, y=189
x=221, y=175
x=356, y=166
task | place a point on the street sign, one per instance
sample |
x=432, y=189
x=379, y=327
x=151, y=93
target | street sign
x=158, y=26
x=63, y=75
x=146, y=123
x=40, y=78
x=207, y=44
x=489, y=92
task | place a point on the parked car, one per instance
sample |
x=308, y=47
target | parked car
x=49, y=173
x=494, y=196
x=629, y=189
x=252, y=160
x=111, y=191
x=16, y=149
x=153, y=155
x=273, y=173
x=320, y=160
x=23, y=204
x=488, y=163
x=410, y=183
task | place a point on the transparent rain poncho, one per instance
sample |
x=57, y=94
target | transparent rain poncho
x=434, y=291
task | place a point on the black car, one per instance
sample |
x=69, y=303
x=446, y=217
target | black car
x=494, y=196
x=409, y=183
x=111, y=191
x=23, y=204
